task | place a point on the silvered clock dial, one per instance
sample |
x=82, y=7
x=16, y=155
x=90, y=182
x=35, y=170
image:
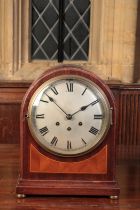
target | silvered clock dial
x=69, y=115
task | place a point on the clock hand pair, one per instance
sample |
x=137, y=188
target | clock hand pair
x=83, y=108
x=52, y=100
x=69, y=116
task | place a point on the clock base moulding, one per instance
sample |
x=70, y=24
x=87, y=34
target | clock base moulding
x=67, y=187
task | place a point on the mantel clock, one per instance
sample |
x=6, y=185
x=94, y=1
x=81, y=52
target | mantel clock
x=68, y=135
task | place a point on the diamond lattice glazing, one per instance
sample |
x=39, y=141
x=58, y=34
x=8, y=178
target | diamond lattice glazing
x=45, y=27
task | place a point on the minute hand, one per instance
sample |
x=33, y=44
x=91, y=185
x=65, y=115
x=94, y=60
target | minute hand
x=83, y=108
x=52, y=100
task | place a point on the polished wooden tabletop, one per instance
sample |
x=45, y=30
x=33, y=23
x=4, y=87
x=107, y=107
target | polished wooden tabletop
x=128, y=175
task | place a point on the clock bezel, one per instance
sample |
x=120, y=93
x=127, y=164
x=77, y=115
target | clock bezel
x=105, y=103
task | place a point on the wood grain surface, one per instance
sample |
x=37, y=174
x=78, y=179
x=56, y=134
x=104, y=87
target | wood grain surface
x=127, y=98
x=128, y=174
x=41, y=163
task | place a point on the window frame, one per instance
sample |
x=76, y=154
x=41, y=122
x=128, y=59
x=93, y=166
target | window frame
x=94, y=36
x=62, y=25
x=16, y=22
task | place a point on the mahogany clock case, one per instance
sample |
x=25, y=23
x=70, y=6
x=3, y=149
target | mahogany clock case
x=43, y=173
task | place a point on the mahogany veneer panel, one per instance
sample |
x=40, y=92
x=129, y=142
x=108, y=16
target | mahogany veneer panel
x=42, y=164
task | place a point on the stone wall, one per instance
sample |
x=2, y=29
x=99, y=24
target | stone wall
x=114, y=41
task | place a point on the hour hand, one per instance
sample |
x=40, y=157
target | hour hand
x=83, y=108
x=92, y=103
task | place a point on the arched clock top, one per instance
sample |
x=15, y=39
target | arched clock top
x=70, y=111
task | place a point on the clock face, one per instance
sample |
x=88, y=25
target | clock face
x=69, y=115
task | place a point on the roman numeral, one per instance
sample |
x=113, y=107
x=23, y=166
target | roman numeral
x=69, y=86
x=95, y=102
x=84, y=91
x=44, y=131
x=54, y=141
x=93, y=130
x=84, y=141
x=54, y=90
x=44, y=101
x=98, y=116
x=40, y=116
x=69, y=145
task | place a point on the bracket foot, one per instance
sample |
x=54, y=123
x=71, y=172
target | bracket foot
x=114, y=197
x=21, y=195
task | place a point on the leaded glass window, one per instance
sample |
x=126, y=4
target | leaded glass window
x=60, y=29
